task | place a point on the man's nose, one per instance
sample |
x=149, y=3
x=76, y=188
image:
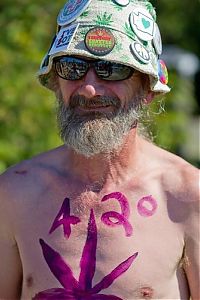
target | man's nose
x=91, y=86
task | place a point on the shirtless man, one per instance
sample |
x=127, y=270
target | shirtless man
x=108, y=215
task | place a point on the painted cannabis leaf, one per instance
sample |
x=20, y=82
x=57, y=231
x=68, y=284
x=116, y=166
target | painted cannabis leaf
x=104, y=19
x=81, y=289
x=85, y=14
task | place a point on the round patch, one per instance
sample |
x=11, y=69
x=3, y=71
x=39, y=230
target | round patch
x=71, y=11
x=99, y=41
x=162, y=72
x=140, y=52
x=157, y=41
x=142, y=24
x=122, y=2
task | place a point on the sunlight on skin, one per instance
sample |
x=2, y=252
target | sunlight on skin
x=64, y=218
x=73, y=288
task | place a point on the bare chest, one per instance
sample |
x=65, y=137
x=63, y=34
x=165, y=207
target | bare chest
x=121, y=243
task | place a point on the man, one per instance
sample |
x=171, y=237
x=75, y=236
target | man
x=108, y=215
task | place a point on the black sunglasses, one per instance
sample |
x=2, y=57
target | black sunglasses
x=72, y=68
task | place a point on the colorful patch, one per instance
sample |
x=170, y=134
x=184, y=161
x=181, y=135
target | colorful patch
x=64, y=39
x=157, y=41
x=140, y=52
x=162, y=72
x=122, y=2
x=99, y=41
x=71, y=11
x=142, y=24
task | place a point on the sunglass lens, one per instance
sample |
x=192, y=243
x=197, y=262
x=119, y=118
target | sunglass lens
x=113, y=71
x=71, y=68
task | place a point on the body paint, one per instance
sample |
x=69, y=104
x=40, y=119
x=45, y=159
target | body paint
x=22, y=172
x=64, y=218
x=121, y=219
x=81, y=289
x=144, y=211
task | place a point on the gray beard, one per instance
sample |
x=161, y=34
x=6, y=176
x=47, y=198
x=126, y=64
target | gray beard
x=95, y=133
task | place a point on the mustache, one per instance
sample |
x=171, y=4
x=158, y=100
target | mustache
x=79, y=100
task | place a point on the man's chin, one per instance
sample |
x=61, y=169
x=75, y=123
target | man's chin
x=92, y=133
x=93, y=142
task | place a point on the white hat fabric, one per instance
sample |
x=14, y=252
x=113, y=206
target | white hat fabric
x=121, y=31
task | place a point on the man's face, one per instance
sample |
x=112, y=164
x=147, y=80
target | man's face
x=94, y=115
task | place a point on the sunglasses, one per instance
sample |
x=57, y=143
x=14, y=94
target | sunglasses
x=72, y=68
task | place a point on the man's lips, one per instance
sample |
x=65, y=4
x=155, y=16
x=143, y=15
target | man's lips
x=96, y=107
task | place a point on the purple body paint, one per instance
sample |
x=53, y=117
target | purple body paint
x=146, y=211
x=121, y=219
x=64, y=218
x=22, y=172
x=81, y=289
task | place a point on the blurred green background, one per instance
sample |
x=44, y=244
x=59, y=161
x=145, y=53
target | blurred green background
x=27, y=110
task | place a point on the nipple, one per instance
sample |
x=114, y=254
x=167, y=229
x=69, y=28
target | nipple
x=146, y=293
x=29, y=281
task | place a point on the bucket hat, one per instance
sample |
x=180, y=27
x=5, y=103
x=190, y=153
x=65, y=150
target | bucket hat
x=121, y=31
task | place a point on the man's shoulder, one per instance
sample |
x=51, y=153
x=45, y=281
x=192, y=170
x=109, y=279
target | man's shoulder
x=178, y=177
x=180, y=185
x=21, y=177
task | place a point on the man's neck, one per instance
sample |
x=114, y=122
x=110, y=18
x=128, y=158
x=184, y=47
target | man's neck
x=106, y=168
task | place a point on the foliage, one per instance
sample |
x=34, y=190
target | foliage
x=27, y=118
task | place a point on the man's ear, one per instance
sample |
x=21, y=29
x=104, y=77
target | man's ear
x=148, y=94
x=149, y=97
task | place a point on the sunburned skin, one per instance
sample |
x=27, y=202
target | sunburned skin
x=81, y=289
